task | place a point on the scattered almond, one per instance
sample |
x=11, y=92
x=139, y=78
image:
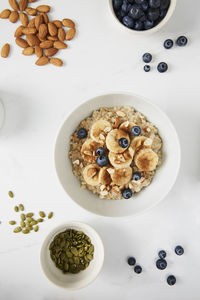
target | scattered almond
x=56, y=62
x=50, y=51
x=21, y=42
x=57, y=23
x=59, y=45
x=70, y=34
x=31, y=11
x=31, y=1
x=43, y=30
x=29, y=30
x=28, y=51
x=68, y=23
x=13, y=4
x=14, y=16
x=19, y=31
x=23, y=4
x=32, y=40
x=52, y=38
x=45, y=17
x=41, y=39
x=46, y=44
x=42, y=61
x=52, y=29
x=38, y=21
x=5, y=50
x=24, y=19
x=38, y=51
x=61, y=34
x=43, y=8
x=5, y=14
x=31, y=24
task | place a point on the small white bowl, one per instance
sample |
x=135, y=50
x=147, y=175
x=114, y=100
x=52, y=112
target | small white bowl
x=72, y=281
x=170, y=12
x=148, y=197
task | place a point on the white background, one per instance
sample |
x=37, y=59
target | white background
x=37, y=99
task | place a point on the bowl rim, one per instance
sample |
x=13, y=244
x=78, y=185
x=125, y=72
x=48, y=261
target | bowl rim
x=144, y=99
x=68, y=225
x=168, y=16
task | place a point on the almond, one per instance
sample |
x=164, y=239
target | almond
x=52, y=29
x=5, y=50
x=61, y=34
x=43, y=8
x=38, y=21
x=13, y=4
x=31, y=24
x=46, y=44
x=41, y=39
x=21, y=42
x=52, y=38
x=31, y=11
x=50, y=51
x=56, y=62
x=43, y=30
x=70, y=34
x=31, y=1
x=28, y=51
x=24, y=19
x=59, y=45
x=23, y=4
x=68, y=23
x=29, y=30
x=14, y=16
x=38, y=51
x=45, y=17
x=5, y=14
x=18, y=31
x=32, y=40
x=57, y=23
x=42, y=61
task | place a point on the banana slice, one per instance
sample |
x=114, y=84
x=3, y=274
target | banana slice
x=112, y=140
x=146, y=160
x=127, y=126
x=121, y=176
x=121, y=160
x=91, y=174
x=88, y=150
x=99, y=131
x=140, y=142
x=104, y=176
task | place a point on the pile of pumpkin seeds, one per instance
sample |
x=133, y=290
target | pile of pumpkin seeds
x=27, y=221
x=71, y=251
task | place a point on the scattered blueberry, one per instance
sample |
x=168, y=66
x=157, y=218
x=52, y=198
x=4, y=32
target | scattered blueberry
x=162, y=67
x=127, y=193
x=147, y=57
x=135, y=12
x=171, y=280
x=145, y=5
x=168, y=44
x=153, y=14
x=138, y=269
x=161, y=264
x=136, y=176
x=138, y=25
x=135, y=130
x=117, y=4
x=82, y=133
x=139, y=2
x=128, y=22
x=131, y=261
x=154, y=3
x=164, y=4
x=147, y=68
x=123, y=142
x=162, y=254
x=148, y=24
x=100, y=151
x=102, y=161
x=179, y=250
x=181, y=41
x=125, y=7
x=163, y=13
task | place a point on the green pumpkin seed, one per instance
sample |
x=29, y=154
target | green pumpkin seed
x=22, y=224
x=33, y=223
x=42, y=214
x=29, y=215
x=21, y=207
x=36, y=228
x=23, y=217
x=25, y=231
x=16, y=208
x=40, y=220
x=50, y=215
x=17, y=229
x=29, y=228
x=12, y=222
x=10, y=194
x=29, y=220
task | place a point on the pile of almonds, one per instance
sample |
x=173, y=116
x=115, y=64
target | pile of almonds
x=37, y=35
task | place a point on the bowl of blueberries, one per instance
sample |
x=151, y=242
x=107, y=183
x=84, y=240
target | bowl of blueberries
x=142, y=16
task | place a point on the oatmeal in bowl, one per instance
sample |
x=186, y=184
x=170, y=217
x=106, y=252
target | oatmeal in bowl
x=115, y=152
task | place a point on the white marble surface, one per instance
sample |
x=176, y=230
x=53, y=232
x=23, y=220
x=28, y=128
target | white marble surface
x=101, y=59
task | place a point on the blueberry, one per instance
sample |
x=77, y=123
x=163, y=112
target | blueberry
x=153, y=14
x=100, y=151
x=143, y=18
x=145, y=5
x=181, y=41
x=147, y=68
x=163, y=13
x=148, y=24
x=136, y=176
x=162, y=67
x=179, y=250
x=154, y=3
x=123, y=142
x=102, y=161
x=168, y=44
x=120, y=14
x=135, y=12
x=135, y=130
x=161, y=264
x=164, y=4
x=124, y=7
x=131, y=261
x=82, y=133
x=138, y=269
x=162, y=254
x=117, y=4
x=171, y=280
x=138, y=25
x=127, y=193
x=128, y=21
x=139, y=2
x=147, y=57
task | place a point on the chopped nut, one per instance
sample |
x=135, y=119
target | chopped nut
x=76, y=162
x=87, y=152
x=126, y=124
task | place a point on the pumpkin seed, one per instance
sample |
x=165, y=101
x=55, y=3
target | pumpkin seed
x=33, y=223
x=40, y=220
x=17, y=229
x=23, y=217
x=25, y=231
x=36, y=228
x=29, y=215
x=12, y=222
x=10, y=194
x=29, y=228
x=50, y=215
x=22, y=224
x=42, y=214
x=29, y=220
x=16, y=208
x=21, y=207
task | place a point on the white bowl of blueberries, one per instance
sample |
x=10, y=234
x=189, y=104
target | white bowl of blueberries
x=142, y=16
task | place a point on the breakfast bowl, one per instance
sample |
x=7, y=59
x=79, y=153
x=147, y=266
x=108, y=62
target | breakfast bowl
x=139, y=21
x=69, y=280
x=149, y=196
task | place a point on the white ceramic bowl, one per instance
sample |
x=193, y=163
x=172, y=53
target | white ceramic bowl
x=1, y=114
x=149, y=31
x=72, y=281
x=148, y=197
